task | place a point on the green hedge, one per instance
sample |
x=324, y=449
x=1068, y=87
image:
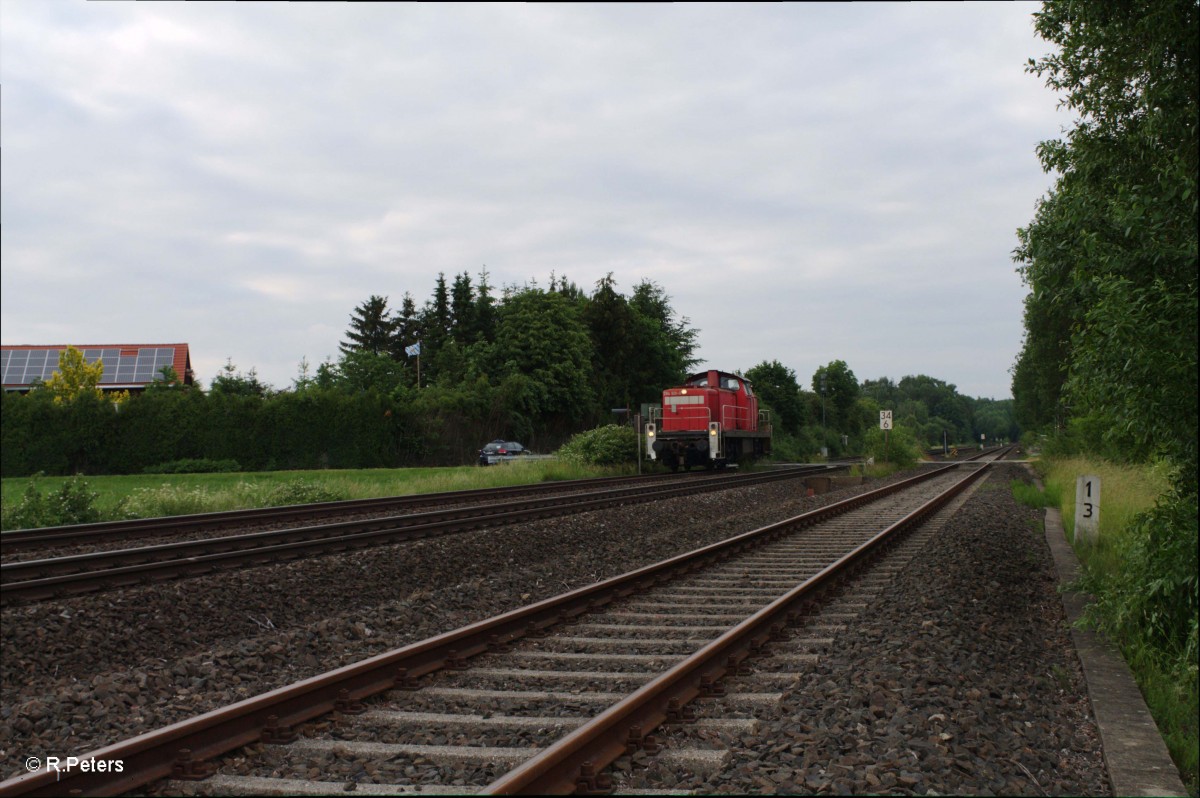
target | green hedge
x=316, y=428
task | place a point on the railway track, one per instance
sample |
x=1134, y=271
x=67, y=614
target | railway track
x=624, y=656
x=39, y=579
x=20, y=540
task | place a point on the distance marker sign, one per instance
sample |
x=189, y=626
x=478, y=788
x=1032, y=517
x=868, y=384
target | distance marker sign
x=1087, y=508
x=885, y=419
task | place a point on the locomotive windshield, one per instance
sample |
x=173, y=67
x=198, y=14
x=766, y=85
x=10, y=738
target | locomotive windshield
x=727, y=382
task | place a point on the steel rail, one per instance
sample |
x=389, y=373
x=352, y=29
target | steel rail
x=42, y=579
x=19, y=539
x=571, y=764
x=182, y=748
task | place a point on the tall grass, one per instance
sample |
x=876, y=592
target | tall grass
x=144, y=496
x=1030, y=495
x=1125, y=491
x=1142, y=566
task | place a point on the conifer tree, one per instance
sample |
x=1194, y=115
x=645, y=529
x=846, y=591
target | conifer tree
x=485, y=308
x=372, y=329
x=462, y=310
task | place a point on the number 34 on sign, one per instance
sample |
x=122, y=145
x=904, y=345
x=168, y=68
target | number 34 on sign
x=885, y=419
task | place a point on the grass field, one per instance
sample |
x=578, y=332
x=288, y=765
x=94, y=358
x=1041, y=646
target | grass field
x=148, y=495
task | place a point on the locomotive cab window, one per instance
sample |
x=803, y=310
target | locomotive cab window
x=730, y=383
x=699, y=382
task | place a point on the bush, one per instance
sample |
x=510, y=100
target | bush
x=1151, y=602
x=899, y=447
x=194, y=466
x=72, y=503
x=603, y=446
x=1083, y=435
x=794, y=448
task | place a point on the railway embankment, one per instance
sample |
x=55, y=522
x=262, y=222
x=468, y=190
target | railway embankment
x=82, y=672
x=961, y=677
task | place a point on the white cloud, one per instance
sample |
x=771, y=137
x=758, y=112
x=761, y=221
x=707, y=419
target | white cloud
x=802, y=179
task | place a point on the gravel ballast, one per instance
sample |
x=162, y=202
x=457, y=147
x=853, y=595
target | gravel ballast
x=83, y=672
x=961, y=680
x=974, y=636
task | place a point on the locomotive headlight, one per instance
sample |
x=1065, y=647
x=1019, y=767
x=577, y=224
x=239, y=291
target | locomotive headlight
x=683, y=392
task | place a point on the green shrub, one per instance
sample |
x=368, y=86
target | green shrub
x=1149, y=606
x=194, y=466
x=899, y=446
x=794, y=448
x=1151, y=601
x=1083, y=435
x=72, y=503
x=603, y=446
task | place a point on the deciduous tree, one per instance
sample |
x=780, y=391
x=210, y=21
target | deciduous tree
x=840, y=391
x=776, y=385
x=75, y=377
x=541, y=337
x=1111, y=255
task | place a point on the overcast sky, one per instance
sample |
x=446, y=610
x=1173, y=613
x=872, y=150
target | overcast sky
x=808, y=182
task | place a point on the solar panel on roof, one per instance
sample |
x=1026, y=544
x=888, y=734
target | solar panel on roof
x=123, y=365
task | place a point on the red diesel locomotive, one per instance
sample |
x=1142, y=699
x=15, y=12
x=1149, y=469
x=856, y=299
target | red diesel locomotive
x=711, y=420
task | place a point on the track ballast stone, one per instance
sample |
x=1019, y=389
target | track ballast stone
x=91, y=670
x=83, y=672
x=962, y=680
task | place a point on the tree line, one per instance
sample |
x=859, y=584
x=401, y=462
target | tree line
x=1109, y=356
x=565, y=358
x=533, y=363
x=839, y=414
x=1108, y=364
x=428, y=387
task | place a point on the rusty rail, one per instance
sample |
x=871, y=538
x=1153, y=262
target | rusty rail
x=181, y=749
x=35, y=580
x=23, y=539
x=571, y=764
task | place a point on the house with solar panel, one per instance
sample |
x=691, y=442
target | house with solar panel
x=127, y=367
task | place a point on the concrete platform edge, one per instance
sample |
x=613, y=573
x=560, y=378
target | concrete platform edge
x=1134, y=752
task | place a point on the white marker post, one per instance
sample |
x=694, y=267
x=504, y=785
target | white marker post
x=885, y=424
x=1087, y=509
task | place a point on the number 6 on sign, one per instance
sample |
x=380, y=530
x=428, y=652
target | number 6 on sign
x=1087, y=509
